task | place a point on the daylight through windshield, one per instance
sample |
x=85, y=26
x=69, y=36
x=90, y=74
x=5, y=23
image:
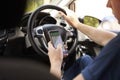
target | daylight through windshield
x=33, y=4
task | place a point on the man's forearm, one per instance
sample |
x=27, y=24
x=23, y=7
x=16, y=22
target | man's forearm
x=101, y=37
x=56, y=72
x=79, y=77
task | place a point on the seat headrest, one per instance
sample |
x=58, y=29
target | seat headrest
x=11, y=12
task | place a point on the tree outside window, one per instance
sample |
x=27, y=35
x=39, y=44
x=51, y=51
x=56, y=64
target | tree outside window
x=33, y=4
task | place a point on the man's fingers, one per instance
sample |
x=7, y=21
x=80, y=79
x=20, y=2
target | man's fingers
x=65, y=55
x=59, y=46
x=50, y=45
x=62, y=14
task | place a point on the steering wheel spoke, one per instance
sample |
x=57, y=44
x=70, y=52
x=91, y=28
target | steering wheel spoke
x=38, y=31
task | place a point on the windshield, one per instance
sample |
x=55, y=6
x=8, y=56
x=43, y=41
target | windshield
x=33, y=4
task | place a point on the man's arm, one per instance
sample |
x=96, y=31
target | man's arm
x=56, y=58
x=79, y=77
x=101, y=37
x=56, y=70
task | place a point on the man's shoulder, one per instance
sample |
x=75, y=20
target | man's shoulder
x=107, y=63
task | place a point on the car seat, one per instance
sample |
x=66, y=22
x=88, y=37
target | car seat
x=12, y=68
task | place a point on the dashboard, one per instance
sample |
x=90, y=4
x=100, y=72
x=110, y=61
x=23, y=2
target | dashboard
x=46, y=18
x=42, y=18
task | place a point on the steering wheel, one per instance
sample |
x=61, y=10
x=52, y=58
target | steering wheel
x=39, y=37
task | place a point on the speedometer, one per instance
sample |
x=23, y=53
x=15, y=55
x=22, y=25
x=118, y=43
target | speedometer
x=47, y=20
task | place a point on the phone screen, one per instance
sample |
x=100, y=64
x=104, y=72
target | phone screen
x=56, y=39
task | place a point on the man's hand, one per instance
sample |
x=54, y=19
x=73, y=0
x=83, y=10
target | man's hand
x=56, y=58
x=71, y=17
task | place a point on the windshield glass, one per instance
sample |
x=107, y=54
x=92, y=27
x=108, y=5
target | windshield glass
x=33, y=4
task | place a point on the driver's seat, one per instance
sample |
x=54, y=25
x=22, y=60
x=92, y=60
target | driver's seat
x=23, y=69
x=12, y=68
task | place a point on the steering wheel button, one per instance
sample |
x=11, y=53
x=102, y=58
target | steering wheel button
x=40, y=31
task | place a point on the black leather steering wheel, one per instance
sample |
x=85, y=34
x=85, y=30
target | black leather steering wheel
x=38, y=35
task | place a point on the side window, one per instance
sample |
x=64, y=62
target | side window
x=90, y=12
x=95, y=8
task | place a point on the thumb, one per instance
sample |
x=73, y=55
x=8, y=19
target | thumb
x=59, y=46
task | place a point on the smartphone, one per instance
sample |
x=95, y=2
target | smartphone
x=56, y=38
